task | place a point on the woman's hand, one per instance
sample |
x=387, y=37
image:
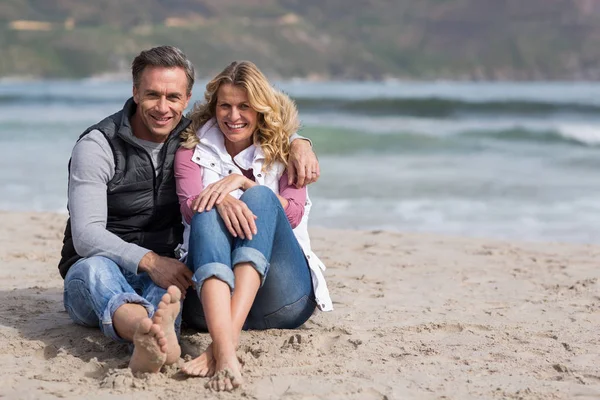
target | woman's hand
x=214, y=193
x=237, y=217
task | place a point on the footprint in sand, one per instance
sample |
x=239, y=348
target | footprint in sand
x=294, y=342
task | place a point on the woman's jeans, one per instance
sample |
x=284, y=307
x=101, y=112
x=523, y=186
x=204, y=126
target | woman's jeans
x=285, y=298
x=95, y=287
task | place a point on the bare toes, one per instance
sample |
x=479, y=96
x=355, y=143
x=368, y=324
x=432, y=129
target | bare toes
x=159, y=314
x=165, y=300
x=174, y=293
x=145, y=325
x=224, y=380
x=162, y=342
x=155, y=330
x=191, y=368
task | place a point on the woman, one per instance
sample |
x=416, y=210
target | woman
x=248, y=240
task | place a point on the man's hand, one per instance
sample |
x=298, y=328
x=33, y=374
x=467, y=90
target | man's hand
x=165, y=271
x=216, y=192
x=303, y=166
x=237, y=217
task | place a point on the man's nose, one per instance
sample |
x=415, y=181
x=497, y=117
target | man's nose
x=163, y=104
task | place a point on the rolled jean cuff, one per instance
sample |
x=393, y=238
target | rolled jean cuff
x=217, y=270
x=113, y=304
x=254, y=257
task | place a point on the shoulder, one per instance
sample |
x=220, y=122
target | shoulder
x=183, y=154
x=94, y=144
x=184, y=161
x=92, y=155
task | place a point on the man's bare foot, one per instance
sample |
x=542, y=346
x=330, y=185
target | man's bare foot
x=165, y=316
x=149, y=341
x=228, y=376
x=204, y=365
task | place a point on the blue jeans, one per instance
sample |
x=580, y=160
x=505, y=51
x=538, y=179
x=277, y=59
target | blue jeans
x=96, y=286
x=285, y=298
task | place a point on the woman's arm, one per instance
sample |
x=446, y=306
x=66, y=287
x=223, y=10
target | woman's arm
x=292, y=199
x=237, y=217
x=188, y=181
x=188, y=178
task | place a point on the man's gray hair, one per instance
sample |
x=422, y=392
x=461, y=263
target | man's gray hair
x=162, y=56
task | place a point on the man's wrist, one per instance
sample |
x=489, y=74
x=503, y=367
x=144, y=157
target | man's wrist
x=299, y=139
x=148, y=262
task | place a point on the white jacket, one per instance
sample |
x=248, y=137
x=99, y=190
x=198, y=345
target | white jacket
x=212, y=156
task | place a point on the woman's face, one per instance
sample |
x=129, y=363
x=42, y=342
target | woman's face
x=236, y=119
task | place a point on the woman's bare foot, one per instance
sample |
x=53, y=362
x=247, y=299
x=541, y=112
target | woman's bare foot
x=228, y=376
x=149, y=341
x=204, y=365
x=165, y=316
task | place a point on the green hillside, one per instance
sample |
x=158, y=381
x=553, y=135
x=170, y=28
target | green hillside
x=339, y=39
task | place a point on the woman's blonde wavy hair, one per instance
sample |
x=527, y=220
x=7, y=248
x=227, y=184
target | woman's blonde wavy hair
x=277, y=113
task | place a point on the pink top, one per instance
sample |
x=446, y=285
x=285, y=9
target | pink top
x=188, y=179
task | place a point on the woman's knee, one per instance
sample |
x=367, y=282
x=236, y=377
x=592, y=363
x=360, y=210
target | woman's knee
x=205, y=220
x=258, y=195
x=207, y=225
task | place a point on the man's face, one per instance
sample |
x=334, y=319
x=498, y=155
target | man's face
x=161, y=98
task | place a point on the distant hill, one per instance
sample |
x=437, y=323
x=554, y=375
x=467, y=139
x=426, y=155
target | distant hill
x=333, y=39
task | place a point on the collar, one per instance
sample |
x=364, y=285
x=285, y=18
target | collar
x=210, y=135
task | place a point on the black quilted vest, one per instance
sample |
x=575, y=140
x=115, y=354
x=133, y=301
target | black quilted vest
x=142, y=206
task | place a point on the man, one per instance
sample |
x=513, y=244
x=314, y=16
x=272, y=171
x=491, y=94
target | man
x=118, y=257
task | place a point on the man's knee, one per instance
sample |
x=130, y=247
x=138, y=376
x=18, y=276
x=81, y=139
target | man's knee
x=79, y=293
x=89, y=283
x=92, y=269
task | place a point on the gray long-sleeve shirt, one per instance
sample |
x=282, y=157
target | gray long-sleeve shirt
x=92, y=167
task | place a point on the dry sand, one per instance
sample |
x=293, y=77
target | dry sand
x=417, y=317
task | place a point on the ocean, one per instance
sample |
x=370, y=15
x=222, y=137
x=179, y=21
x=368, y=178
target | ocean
x=516, y=161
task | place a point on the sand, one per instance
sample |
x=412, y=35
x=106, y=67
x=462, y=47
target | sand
x=417, y=316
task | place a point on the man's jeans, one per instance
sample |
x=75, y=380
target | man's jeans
x=95, y=287
x=285, y=298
